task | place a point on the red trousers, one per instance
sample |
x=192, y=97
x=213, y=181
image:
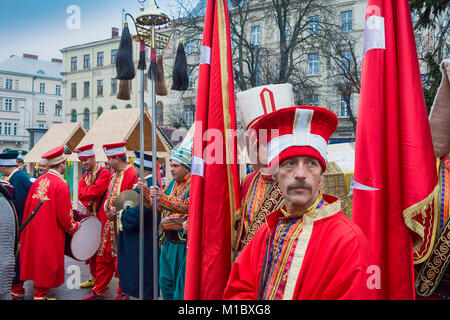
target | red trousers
x=92, y=262
x=40, y=293
x=106, y=267
x=18, y=290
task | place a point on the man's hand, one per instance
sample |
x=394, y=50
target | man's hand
x=111, y=215
x=155, y=191
x=141, y=185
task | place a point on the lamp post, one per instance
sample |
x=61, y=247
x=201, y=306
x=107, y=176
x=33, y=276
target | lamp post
x=145, y=24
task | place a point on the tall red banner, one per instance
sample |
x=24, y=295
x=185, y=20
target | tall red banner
x=214, y=194
x=395, y=170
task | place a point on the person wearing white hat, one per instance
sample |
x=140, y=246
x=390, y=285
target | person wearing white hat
x=306, y=249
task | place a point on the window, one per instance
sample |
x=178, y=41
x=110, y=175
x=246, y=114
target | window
x=7, y=128
x=313, y=64
x=87, y=61
x=344, y=110
x=42, y=87
x=86, y=89
x=73, y=116
x=255, y=35
x=58, y=90
x=73, y=63
x=41, y=107
x=57, y=110
x=189, y=46
x=99, y=87
x=41, y=124
x=9, y=83
x=114, y=56
x=128, y=106
x=86, y=119
x=15, y=129
x=0, y=128
x=16, y=84
x=99, y=59
x=347, y=60
x=159, y=113
x=8, y=104
x=113, y=108
x=346, y=20
x=99, y=112
x=73, y=90
x=313, y=99
x=191, y=83
x=313, y=25
x=113, y=86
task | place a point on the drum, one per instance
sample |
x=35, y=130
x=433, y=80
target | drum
x=84, y=243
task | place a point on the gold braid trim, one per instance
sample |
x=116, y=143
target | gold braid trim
x=420, y=208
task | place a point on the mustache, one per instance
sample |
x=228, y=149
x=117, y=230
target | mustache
x=300, y=184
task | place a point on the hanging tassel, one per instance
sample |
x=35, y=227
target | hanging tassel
x=124, y=64
x=142, y=65
x=124, y=90
x=161, y=88
x=180, y=75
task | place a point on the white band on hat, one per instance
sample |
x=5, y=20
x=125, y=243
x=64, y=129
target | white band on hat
x=7, y=162
x=57, y=160
x=301, y=137
x=147, y=163
x=115, y=151
x=86, y=153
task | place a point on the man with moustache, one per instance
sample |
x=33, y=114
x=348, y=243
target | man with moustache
x=91, y=193
x=307, y=249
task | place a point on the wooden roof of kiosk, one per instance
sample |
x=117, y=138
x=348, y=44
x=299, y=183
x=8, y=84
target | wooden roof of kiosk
x=122, y=125
x=69, y=134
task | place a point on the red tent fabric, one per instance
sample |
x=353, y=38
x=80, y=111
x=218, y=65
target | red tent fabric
x=395, y=170
x=214, y=194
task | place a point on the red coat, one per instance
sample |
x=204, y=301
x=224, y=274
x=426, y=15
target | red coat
x=331, y=259
x=90, y=195
x=42, y=251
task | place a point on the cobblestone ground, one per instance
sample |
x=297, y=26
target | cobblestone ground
x=69, y=290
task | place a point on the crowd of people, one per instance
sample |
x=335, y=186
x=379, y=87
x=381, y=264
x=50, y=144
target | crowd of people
x=292, y=240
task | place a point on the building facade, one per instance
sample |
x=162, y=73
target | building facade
x=31, y=99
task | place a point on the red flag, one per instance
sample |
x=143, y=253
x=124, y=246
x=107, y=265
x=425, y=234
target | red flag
x=214, y=194
x=395, y=170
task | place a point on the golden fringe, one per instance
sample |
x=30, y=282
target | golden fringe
x=420, y=208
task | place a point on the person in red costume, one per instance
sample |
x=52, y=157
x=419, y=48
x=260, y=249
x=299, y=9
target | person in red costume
x=306, y=249
x=123, y=178
x=43, y=239
x=91, y=193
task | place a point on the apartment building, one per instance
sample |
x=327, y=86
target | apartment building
x=30, y=99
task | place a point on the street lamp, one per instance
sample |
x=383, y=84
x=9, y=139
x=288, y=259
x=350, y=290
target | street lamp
x=145, y=24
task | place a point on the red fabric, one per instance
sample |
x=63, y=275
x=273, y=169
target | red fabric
x=40, y=292
x=104, y=273
x=296, y=151
x=334, y=267
x=42, y=251
x=214, y=198
x=18, y=289
x=55, y=152
x=247, y=182
x=394, y=151
x=94, y=192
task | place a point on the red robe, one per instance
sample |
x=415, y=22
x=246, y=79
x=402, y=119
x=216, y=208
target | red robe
x=90, y=195
x=331, y=259
x=42, y=251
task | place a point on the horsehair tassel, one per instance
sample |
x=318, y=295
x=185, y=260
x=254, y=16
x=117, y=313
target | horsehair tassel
x=142, y=65
x=124, y=61
x=161, y=88
x=153, y=69
x=124, y=90
x=180, y=75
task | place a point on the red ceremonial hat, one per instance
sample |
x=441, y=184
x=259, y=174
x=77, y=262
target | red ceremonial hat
x=86, y=151
x=55, y=156
x=297, y=131
x=115, y=149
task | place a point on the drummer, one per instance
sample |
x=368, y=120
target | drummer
x=43, y=239
x=123, y=178
x=91, y=193
x=128, y=242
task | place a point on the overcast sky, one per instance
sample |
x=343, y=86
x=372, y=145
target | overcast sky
x=46, y=26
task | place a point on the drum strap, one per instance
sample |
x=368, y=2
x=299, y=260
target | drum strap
x=103, y=196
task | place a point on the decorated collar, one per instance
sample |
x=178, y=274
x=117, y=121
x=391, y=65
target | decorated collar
x=317, y=204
